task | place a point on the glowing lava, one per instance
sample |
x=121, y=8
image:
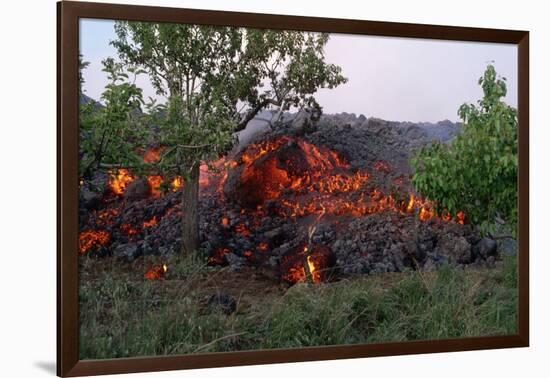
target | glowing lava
x=119, y=179
x=156, y=272
x=92, y=238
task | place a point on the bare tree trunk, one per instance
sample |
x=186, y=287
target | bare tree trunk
x=190, y=214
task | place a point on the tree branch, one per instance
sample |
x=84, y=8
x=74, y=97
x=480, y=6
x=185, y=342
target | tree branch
x=252, y=113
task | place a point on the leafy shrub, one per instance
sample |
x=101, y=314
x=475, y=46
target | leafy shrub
x=477, y=171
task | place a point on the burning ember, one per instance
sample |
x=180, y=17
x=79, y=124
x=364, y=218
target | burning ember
x=152, y=155
x=177, y=183
x=242, y=229
x=88, y=239
x=119, y=179
x=129, y=229
x=307, y=263
x=151, y=222
x=156, y=272
x=155, y=181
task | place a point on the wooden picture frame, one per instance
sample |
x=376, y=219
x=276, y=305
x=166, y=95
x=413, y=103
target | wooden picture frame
x=68, y=15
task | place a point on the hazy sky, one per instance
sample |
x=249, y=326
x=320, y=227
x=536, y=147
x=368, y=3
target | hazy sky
x=397, y=79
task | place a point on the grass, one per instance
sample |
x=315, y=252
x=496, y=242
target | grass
x=122, y=315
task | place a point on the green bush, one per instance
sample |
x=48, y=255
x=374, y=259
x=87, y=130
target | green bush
x=476, y=172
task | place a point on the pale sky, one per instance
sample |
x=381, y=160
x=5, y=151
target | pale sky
x=399, y=79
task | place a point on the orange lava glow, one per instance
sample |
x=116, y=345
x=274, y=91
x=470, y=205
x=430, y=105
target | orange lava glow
x=119, y=179
x=315, y=275
x=320, y=182
x=152, y=155
x=92, y=238
x=156, y=272
x=129, y=229
x=151, y=222
x=177, y=182
x=155, y=181
x=213, y=175
x=242, y=229
x=308, y=264
x=106, y=216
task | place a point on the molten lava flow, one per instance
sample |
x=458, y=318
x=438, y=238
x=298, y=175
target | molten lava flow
x=292, y=164
x=255, y=151
x=213, y=175
x=306, y=179
x=152, y=154
x=91, y=239
x=177, y=183
x=156, y=272
x=119, y=179
x=105, y=217
x=151, y=222
x=209, y=179
x=155, y=181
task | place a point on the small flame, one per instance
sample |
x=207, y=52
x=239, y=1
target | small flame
x=119, y=179
x=410, y=206
x=315, y=275
x=156, y=272
x=177, y=183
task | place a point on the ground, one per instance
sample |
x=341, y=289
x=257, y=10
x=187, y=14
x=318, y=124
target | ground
x=195, y=308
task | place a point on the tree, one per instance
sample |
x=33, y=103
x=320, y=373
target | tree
x=216, y=79
x=110, y=131
x=477, y=171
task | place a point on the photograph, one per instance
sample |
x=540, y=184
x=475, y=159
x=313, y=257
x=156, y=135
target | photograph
x=255, y=189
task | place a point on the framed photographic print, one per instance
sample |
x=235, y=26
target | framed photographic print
x=238, y=188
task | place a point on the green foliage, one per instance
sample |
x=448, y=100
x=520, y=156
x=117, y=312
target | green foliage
x=111, y=132
x=216, y=79
x=123, y=317
x=476, y=171
x=82, y=64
